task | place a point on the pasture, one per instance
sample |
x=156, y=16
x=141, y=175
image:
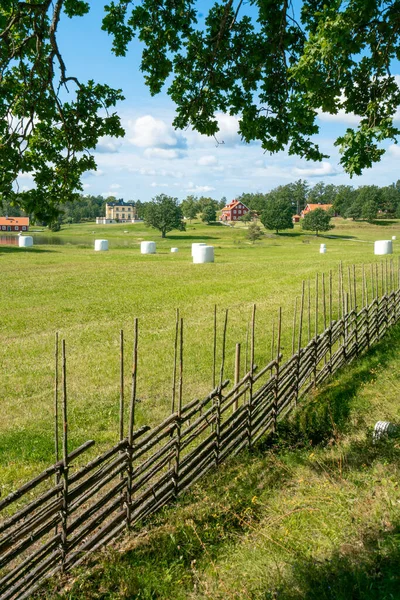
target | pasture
x=88, y=297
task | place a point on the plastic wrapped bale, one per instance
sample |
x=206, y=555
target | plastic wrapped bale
x=385, y=429
x=394, y=238
x=197, y=245
x=174, y=249
x=322, y=249
x=148, y=247
x=100, y=245
x=25, y=241
x=203, y=254
x=383, y=247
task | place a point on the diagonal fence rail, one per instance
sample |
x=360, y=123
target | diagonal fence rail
x=66, y=512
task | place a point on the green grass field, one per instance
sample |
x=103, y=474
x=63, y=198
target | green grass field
x=88, y=297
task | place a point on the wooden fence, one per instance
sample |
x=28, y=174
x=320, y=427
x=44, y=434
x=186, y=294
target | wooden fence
x=67, y=512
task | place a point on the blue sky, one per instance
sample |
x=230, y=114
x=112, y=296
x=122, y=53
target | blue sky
x=154, y=158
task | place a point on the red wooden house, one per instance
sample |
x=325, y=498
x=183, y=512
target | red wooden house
x=14, y=223
x=233, y=211
x=309, y=207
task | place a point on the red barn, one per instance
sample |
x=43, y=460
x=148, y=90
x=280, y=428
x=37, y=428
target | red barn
x=14, y=223
x=233, y=211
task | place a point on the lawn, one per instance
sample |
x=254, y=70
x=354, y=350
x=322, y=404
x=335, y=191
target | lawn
x=88, y=297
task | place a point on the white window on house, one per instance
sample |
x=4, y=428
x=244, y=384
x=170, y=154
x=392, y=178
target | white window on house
x=16, y=228
x=3, y=227
x=23, y=228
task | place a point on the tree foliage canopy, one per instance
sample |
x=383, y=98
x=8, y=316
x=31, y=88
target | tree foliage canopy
x=317, y=220
x=273, y=68
x=277, y=215
x=164, y=213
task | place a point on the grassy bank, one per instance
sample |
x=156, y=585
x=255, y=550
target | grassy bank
x=313, y=514
x=88, y=297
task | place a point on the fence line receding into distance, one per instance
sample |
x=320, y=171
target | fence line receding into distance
x=67, y=512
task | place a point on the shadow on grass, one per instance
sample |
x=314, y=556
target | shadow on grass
x=191, y=237
x=384, y=222
x=325, y=413
x=14, y=249
x=368, y=573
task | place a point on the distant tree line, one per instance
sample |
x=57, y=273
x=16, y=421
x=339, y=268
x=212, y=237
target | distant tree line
x=275, y=208
x=366, y=202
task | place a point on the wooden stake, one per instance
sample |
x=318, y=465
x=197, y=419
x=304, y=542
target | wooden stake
x=363, y=287
x=180, y=371
x=309, y=311
x=64, y=509
x=250, y=405
x=294, y=326
x=276, y=390
x=355, y=287
x=221, y=375
x=272, y=343
x=214, y=382
x=121, y=385
x=350, y=305
x=134, y=383
x=237, y=374
x=56, y=443
x=175, y=360
x=299, y=342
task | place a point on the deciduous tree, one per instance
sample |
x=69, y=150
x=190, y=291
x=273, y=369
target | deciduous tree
x=165, y=214
x=277, y=215
x=317, y=220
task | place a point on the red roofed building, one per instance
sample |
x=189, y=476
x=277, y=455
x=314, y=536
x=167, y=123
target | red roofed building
x=233, y=211
x=14, y=223
x=309, y=207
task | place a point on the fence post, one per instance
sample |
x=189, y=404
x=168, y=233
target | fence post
x=217, y=404
x=65, y=466
x=237, y=375
x=276, y=388
x=250, y=403
x=299, y=344
x=178, y=416
x=129, y=450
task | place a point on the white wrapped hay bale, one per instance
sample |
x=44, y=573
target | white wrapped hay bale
x=25, y=241
x=174, y=249
x=394, y=237
x=322, y=249
x=197, y=245
x=100, y=245
x=148, y=247
x=203, y=254
x=383, y=247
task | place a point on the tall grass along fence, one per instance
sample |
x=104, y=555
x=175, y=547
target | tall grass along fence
x=52, y=522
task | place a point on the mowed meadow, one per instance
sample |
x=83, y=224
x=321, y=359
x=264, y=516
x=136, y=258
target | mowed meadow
x=88, y=297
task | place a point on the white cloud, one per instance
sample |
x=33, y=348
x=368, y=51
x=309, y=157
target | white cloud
x=148, y=132
x=86, y=186
x=198, y=189
x=226, y=136
x=25, y=176
x=208, y=160
x=341, y=117
x=108, y=144
x=97, y=173
x=115, y=186
x=162, y=153
x=394, y=150
x=155, y=184
x=319, y=171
